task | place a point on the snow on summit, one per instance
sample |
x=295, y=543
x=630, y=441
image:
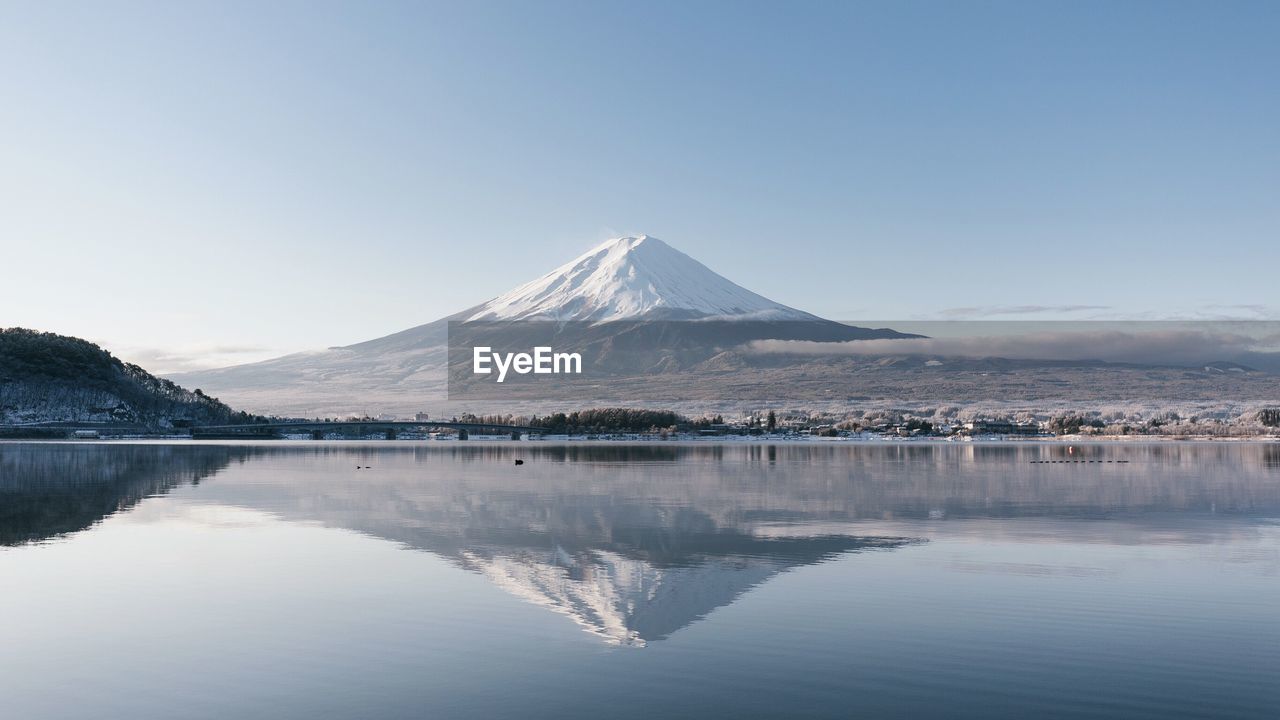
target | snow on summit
x=632, y=277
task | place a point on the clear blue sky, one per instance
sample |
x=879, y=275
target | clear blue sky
x=207, y=182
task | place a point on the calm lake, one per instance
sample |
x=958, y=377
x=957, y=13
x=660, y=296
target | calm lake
x=602, y=580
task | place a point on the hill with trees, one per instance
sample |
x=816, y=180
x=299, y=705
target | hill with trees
x=46, y=377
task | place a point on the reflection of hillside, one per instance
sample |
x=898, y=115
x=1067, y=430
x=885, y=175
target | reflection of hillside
x=48, y=490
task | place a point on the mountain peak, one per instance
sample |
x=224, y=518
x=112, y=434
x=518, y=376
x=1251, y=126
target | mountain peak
x=633, y=277
x=631, y=241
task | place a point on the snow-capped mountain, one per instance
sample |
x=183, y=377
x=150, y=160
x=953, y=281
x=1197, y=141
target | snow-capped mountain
x=630, y=278
x=639, y=279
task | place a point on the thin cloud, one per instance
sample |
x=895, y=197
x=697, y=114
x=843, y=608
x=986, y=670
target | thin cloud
x=1257, y=310
x=983, y=311
x=1212, y=311
x=166, y=361
x=1166, y=347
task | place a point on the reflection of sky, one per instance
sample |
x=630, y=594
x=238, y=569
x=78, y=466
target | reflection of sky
x=286, y=586
x=233, y=611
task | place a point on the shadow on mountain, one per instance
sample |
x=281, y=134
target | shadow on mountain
x=52, y=490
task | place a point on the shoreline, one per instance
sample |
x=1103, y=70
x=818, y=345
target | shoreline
x=641, y=440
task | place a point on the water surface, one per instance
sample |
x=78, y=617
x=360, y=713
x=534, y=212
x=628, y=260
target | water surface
x=637, y=581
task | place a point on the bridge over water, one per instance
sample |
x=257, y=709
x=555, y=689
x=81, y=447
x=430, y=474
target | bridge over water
x=256, y=430
x=274, y=429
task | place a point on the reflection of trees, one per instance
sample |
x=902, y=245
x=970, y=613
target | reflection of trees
x=1271, y=457
x=55, y=489
x=753, y=483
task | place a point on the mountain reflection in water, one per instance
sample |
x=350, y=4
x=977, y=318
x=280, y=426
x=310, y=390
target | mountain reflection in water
x=635, y=542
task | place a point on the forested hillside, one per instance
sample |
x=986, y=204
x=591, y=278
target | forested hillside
x=48, y=377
